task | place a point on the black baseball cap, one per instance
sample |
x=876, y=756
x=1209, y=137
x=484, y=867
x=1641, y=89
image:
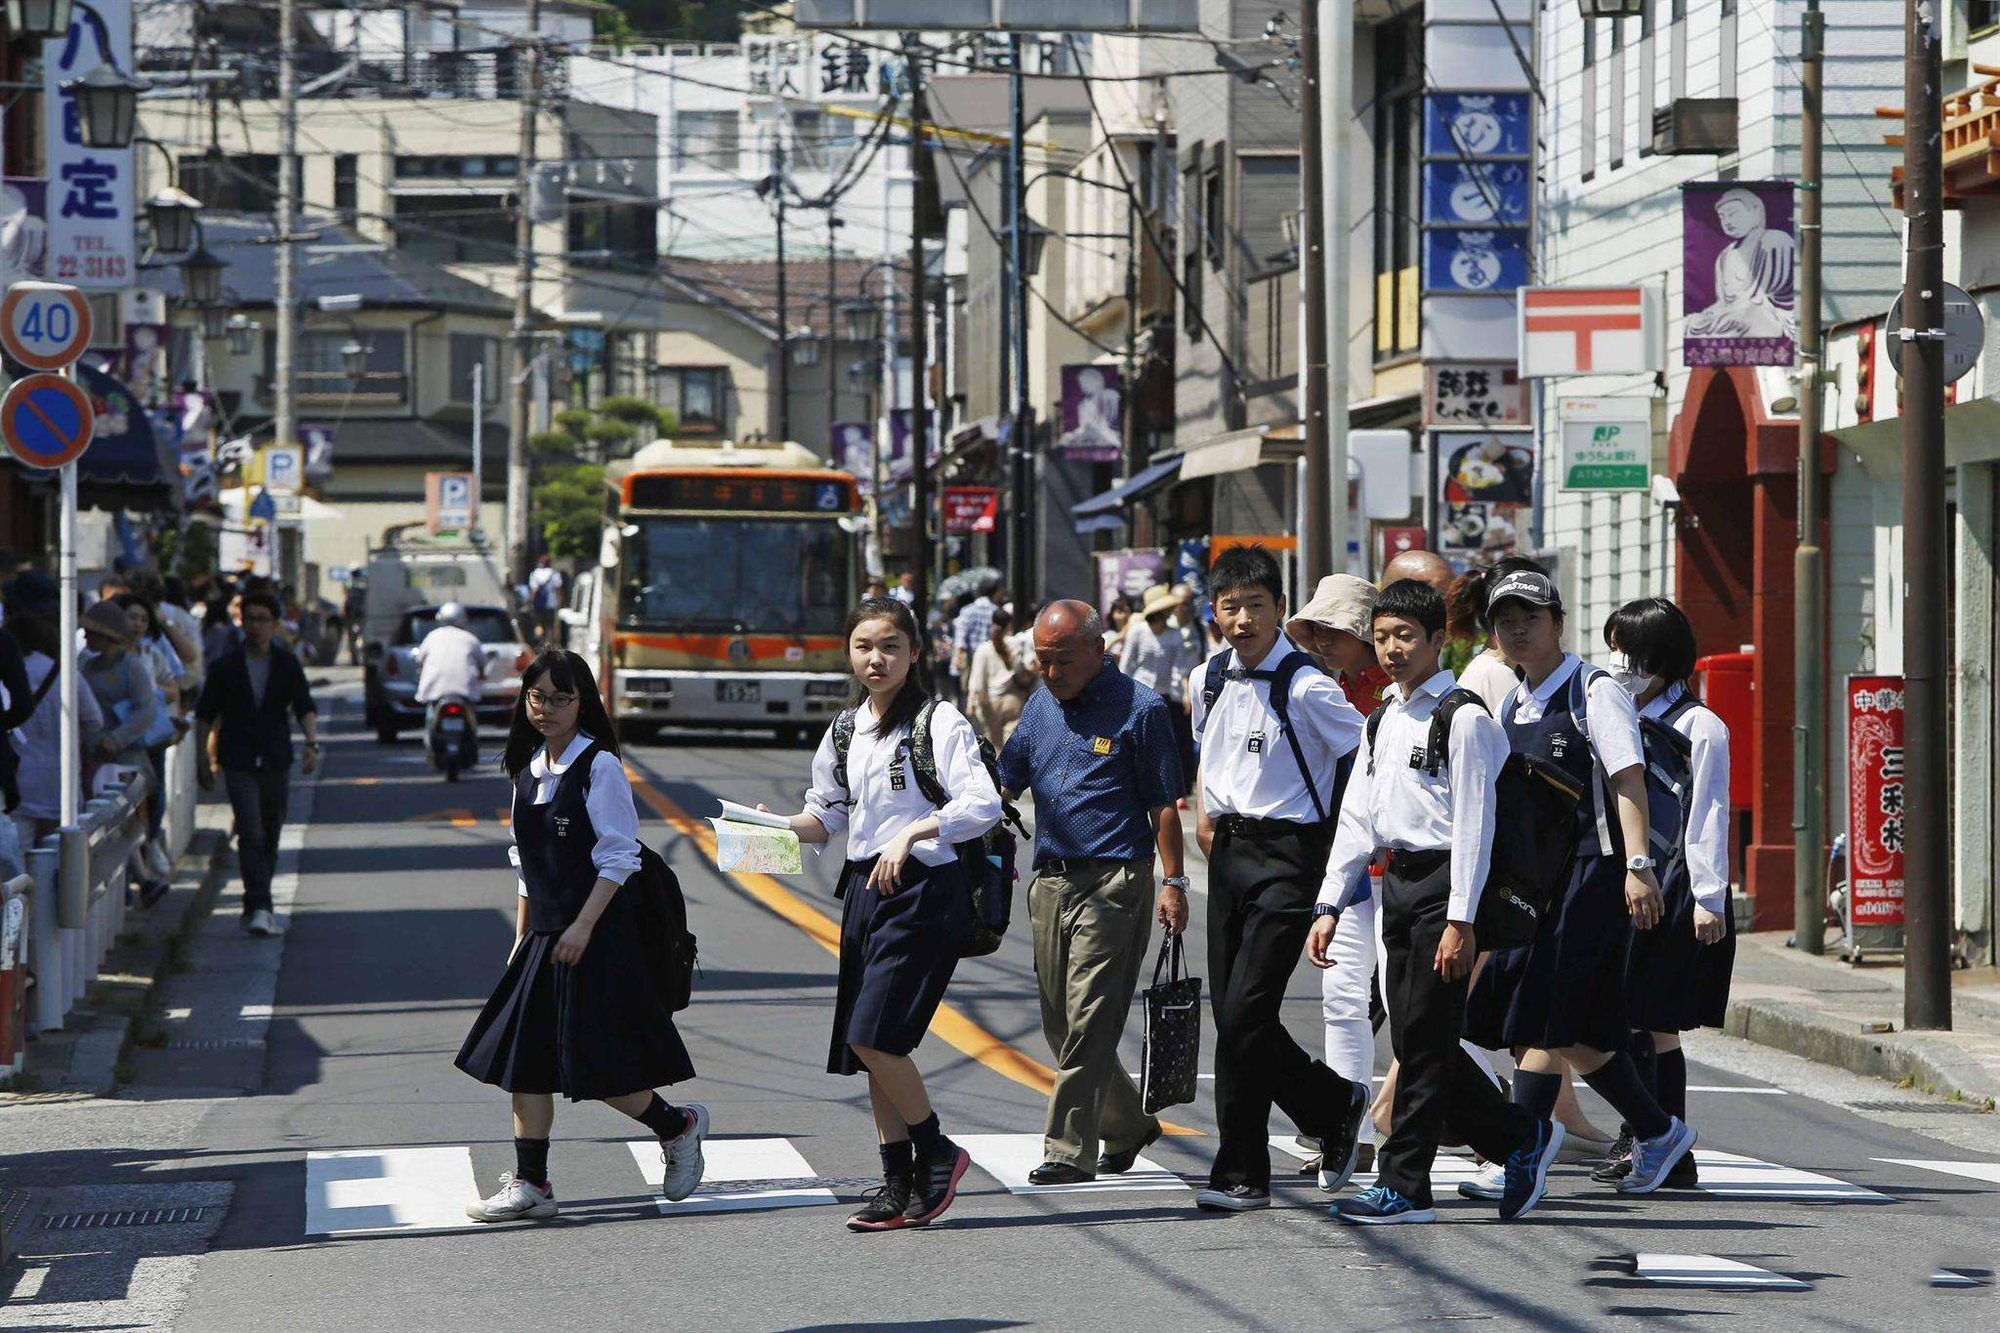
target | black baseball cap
x=1525, y=586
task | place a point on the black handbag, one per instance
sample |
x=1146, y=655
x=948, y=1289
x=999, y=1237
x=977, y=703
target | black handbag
x=1173, y=1032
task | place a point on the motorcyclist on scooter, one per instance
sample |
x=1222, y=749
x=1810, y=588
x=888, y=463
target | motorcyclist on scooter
x=452, y=663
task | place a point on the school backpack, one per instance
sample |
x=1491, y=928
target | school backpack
x=1534, y=830
x=662, y=922
x=988, y=860
x=1279, y=680
x=1667, y=758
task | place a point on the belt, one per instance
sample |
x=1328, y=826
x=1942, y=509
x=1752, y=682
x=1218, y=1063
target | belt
x=1239, y=824
x=1415, y=865
x=1069, y=865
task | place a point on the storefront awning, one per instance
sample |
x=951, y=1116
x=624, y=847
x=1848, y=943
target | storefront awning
x=125, y=466
x=1971, y=435
x=1101, y=513
x=1233, y=452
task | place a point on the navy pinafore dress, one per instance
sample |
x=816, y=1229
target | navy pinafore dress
x=1567, y=987
x=591, y=1030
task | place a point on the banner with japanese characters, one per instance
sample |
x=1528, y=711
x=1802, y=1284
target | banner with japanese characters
x=1093, y=414
x=1739, y=259
x=90, y=211
x=1875, y=799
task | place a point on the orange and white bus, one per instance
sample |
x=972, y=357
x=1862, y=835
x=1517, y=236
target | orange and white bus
x=725, y=576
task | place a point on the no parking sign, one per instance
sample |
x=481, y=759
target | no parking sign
x=46, y=420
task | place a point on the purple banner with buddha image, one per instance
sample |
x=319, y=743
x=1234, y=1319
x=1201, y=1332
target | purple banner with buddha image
x=1739, y=256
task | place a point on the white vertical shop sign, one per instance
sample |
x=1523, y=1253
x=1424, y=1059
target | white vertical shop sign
x=90, y=190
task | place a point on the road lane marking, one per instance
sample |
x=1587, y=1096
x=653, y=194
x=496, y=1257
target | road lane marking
x=740, y=1174
x=1960, y=1277
x=1008, y=1158
x=1735, y=1087
x=1725, y=1173
x=1710, y=1270
x=949, y=1023
x=1988, y=1172
x=1448, y=1170
x=367, y=1190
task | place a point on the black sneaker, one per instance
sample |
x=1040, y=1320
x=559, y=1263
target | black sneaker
x=1235, y=1199
x=1684, y=1176
x=1617, y=1163
x=936, y=1184
x=883, y=1210
x=1338, y=1143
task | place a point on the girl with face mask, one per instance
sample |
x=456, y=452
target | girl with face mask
x=1676, y=975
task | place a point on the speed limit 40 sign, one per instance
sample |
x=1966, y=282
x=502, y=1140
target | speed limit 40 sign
x=44, y=325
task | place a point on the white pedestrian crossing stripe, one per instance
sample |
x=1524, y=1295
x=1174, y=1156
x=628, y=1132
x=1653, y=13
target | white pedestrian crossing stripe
x=1709, y=1270
x=1447, y=1169
x=1008, y=1158
x=739, y=1174
x=1729, y=1174
x=1986, y=1171
x=388, y=1189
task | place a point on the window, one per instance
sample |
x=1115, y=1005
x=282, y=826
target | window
x=774, y=576
x=239, y=183
x=698, y=395
x=707, y=141
x=1587, y=122
x=1726, y=83
x=808, y=144
x=1270, y=189
x=322, y=363
x=1190, y=246
x=1398, y=129
x=1982, y=14
x=455, y=228
x=344, y=175
x=433, y=166
x=1617, y=116
x=1212, y=230
x=469, y=350
x=607, y=235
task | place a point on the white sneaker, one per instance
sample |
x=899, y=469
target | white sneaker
x=261, y=923
x=157, y=863
x=680, y=1159
x=514, y=1200
x=1490, y=1183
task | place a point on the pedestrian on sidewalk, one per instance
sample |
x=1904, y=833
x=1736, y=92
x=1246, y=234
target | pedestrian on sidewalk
x=123, y=675
x=1097, y=749
x=1676, y=974
x=1276, y=737
x=906, y=911
x=577, y=1011
x=1433, y=814
x=1337, y=628
x=972, y=626
x=1561, y=997
x=32, y=610
x=1000, y=681
x=247, y=705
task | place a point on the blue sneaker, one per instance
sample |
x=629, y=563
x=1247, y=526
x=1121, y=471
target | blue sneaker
x=1378, y=1206
x=1528, y=1169
x=1654, y=1159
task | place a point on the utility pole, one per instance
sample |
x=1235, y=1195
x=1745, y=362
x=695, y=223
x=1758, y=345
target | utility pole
x=1927, y=831
x=1315, y=553
x=1336, y=115
x=920, y=206
x=784, y=376
x=285, y=360
x=1130, y=418
x=528, y=87
x=1809, y=564
x=478, y=450
x=832, y=349
x=1021, y=434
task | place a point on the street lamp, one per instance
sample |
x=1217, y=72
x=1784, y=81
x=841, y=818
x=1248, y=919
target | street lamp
x=241, y=329
x=214, y=320
x=30, y=19
x=354, y=359
x=805, y=347
x=171, y=216
x=107, y=105
x=864, y=322
x=201, y=276
x=1038, y=240
x=1611, y=9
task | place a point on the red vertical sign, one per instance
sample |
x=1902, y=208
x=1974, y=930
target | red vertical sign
x=1875, y=799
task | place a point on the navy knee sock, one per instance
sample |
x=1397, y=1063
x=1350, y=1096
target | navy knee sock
x=1641, y=1050
x=664, y=1118
x=531, y=1161
x=898, y=1160
x=1537, y=1092
x=1671, y=1078
x=1617, y=1081
x=926, y=1137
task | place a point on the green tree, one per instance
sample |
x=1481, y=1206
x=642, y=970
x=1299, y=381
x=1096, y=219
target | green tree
x=569, y=506
x=611, y=439
x=551, y=445
x=576, y=421
x=631, y=411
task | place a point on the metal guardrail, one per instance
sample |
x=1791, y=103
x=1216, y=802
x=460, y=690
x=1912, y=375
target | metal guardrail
x=77, y=880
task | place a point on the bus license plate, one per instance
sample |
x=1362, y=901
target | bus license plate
x=739, y=691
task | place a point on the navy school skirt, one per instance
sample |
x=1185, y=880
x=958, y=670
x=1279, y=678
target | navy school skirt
x=595, y=1030
x=1673, y=982
x=1567, y=988
x=897, y=954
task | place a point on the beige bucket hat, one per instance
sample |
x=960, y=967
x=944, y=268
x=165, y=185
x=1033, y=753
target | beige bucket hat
x=1342, y=602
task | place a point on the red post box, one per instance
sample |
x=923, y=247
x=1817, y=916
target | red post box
x=1727, y=682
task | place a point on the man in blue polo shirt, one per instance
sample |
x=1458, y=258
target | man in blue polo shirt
x=1098, y=751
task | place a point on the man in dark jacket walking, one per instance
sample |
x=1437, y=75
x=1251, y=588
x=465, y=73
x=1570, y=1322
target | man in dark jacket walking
x=248, y=737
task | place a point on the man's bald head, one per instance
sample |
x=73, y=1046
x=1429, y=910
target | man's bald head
x=1423, y=566
x=1069, y=647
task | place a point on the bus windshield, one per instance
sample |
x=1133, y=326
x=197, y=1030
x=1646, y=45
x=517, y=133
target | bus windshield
x=736, y=575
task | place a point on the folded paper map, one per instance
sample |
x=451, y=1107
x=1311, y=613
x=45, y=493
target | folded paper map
x=747, y=839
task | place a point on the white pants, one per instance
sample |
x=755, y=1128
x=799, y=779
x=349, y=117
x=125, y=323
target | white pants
x=1343, y=990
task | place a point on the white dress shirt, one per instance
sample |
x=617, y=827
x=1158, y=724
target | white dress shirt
x=452, y=661
x=1153, y=660
x=1489, y=678
x=1265, y=783
x=874, y=810
x=1409, y=809
x=1708, y=819
x=1611, y=719
x=608, y=801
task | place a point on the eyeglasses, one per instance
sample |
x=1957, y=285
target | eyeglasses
x=536, y=699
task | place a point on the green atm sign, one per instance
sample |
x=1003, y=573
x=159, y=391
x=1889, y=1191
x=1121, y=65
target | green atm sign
x=1607, y=444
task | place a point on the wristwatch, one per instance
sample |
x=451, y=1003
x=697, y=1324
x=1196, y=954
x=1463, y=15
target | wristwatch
x=1175, y=882
x=1324, y=909
x=1641, y=863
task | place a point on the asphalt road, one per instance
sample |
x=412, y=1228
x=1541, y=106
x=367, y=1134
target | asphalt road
x=352, y=1160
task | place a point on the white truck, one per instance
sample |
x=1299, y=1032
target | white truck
x=409, y=576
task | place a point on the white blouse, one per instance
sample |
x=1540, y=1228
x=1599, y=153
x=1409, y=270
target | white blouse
x=608, y=800
x=1708, y=818
x=881, y=797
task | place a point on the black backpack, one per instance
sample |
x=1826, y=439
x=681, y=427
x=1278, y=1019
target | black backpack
x=988, y=860
x=1534, y=830
x=1669, y=789
x=1279, y=679
x=661, y=912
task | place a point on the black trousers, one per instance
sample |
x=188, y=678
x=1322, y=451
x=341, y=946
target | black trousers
x=257, y=798
x=1437, y=1081
x=1262, y=880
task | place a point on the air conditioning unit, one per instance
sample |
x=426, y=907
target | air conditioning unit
x=1695, y=125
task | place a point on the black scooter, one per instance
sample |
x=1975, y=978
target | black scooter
x=454, y=736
